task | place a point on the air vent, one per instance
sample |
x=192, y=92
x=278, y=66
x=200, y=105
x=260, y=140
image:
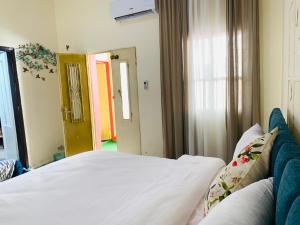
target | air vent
x=126, y=9
x=134, y=15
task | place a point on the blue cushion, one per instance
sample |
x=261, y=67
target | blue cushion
x=287, y=152
x=277, y=120
x=289, y=189
x=18, y=169
x=293, y=217
x=284, y=135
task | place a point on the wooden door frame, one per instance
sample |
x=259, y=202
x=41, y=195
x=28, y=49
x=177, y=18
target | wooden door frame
x=17, y=105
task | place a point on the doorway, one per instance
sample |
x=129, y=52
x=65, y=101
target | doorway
x=114, y=101
x=99, y=97
x=12, y=132
x=102, y=102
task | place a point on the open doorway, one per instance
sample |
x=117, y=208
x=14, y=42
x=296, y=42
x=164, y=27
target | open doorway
x=12, y=133
x=114, y=103
x=95, y=83
x=102, y=102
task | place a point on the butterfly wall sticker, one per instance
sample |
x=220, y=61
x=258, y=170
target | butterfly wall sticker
x=37, y=60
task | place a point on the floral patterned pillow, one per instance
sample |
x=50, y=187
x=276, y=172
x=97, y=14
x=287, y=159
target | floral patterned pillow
x=251, y=165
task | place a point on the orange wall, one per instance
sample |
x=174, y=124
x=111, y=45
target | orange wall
x=104, y=102
x=105, y=59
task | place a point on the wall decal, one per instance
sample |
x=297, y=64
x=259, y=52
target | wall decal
x=37, y=60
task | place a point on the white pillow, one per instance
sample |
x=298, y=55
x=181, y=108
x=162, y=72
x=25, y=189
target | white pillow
x=252, y=205
x=248, y=136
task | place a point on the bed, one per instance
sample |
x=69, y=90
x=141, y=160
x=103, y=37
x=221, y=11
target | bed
x=102, y=188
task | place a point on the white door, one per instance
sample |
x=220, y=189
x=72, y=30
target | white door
x=125, y=90
x=7, y=113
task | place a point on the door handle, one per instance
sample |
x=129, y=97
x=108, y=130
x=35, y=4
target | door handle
x=65, y=113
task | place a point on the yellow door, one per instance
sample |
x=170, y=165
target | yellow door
x=75, y=103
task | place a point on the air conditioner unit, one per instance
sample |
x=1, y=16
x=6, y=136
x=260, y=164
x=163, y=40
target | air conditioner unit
x=125, y=9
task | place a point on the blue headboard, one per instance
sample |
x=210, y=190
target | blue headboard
x=284, y=135
x=285, y=168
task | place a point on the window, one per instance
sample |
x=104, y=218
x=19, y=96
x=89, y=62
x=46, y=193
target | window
x=125, y=90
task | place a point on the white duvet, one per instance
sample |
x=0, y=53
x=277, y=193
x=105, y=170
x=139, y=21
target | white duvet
x=100, y=188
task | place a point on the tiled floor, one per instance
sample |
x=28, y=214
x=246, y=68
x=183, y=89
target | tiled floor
x=109, y=146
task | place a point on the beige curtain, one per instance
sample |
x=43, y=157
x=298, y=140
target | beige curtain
x=243, y=95
x=207, y=78
x=173, y=24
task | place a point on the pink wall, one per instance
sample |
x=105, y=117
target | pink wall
x=95, y=101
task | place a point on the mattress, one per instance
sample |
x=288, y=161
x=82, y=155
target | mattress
x=101, y=188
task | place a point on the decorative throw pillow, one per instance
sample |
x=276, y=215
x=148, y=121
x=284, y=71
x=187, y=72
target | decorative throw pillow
x=253, y=205
x=6, y=169
x=248, y=136
x=250, y=165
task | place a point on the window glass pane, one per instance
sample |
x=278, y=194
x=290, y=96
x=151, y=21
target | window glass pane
x=73, y=73
x=125, y=90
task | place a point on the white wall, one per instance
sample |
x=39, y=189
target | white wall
x=271, y=43
x=88, y=27
x=34, y=21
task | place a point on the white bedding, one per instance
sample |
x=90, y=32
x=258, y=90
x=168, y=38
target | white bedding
x=100, y=188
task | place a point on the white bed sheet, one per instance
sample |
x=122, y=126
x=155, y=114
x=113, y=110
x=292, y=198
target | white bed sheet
x=199, y=212
x=100, y=188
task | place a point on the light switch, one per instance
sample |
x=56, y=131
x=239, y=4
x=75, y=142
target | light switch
x=146, y=85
